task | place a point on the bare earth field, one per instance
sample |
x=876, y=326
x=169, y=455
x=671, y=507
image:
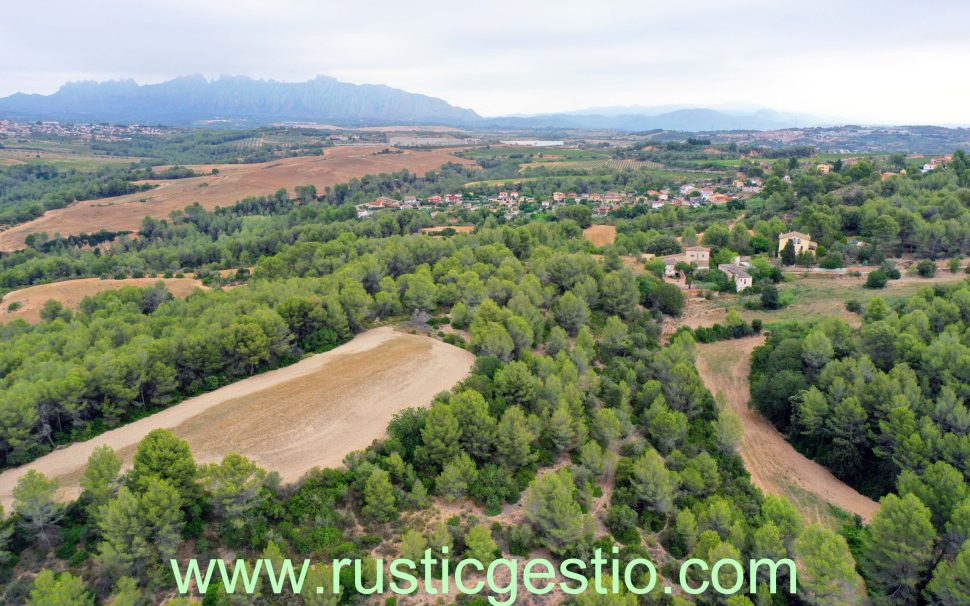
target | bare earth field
x=461, y=229
x=600, y=235
x=775, y=466
x=70, y=293
x=233, y=183
x=289, y=420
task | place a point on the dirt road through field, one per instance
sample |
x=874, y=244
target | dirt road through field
x=289, y=420
x=775, y=466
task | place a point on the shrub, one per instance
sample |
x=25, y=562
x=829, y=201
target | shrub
x=769, y=297
x=926, y=268
x=831, y=261
x=876, y=279
x=890, y=269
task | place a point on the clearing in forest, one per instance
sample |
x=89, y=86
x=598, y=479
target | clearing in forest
x=312, y=413
x=459, y=229
x=70, y=293
x=812, y=298
x=774, y=464
x=600, y=235
x=232, y=183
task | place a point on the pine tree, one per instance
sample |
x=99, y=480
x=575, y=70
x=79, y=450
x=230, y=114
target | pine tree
x=848, y=428
x=551, y=508
x=162, y=455
x=413, y=545
x=606, y=427
x=379, y=501
x=320, y=575
x=685, y=530
x=477, y=425
x=513, y=439
x=479, y=544
x=783, y=515
x=571, y=313
x=560, y=428
x=958, y=527
x=652, y=483
x=516, y=383
x=898, y=549
x=788, y=256
x=418, y=497
x=35, y=499
x=767, y=543
x=557, y=341
x=950, y=585
x=457, y=475
x=441, y=435
x=234, y=487
x=140, y=530
x=126, y=593
x=940, y=487
x=825, y=568
x=64, y=589
x=440, y=541
x=100, y=479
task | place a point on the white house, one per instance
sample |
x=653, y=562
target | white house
x=742, y=279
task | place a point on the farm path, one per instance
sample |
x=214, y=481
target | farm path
x=775, y=466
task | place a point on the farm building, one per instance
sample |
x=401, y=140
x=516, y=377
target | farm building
x=741, y=278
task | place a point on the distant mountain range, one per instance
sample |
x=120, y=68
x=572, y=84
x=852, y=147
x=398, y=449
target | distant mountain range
x=677, y=118
x=238, y=100
x=191, y=100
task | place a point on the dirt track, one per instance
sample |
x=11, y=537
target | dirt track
x=775, y=466
x=70, y=293
x=289, y=420
x=233, y=183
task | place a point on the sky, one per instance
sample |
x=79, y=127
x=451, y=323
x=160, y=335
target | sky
x=864, y=61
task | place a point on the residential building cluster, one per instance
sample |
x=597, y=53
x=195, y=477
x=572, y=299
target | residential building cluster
x=10, y=129
x=511, y=202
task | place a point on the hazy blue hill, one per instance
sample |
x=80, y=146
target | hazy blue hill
x=665, y=118
x=192, y=99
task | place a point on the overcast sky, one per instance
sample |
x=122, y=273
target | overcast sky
x=885, y=61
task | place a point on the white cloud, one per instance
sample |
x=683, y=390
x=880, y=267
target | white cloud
x=888, y=61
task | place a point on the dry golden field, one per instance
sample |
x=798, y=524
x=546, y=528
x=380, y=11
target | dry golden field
x=312, y=413
x=233, y=183
x=600, y=235
x=70, y=293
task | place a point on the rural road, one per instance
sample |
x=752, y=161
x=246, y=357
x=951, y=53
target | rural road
x=289, y=420
x=775, y=466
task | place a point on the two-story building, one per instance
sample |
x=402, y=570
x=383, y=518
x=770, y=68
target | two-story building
x=801, y=242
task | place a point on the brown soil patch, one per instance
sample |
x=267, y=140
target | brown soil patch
x=289, y=420
x=233, y=183
x=600, y=235
x=70, y=293
x=461, y=229
x=775, y=466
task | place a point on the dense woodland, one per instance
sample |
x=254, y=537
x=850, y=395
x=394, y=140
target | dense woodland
x=572, y=397
x=885, y=408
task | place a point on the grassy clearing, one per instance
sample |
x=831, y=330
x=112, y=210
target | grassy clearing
x=812, y=298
